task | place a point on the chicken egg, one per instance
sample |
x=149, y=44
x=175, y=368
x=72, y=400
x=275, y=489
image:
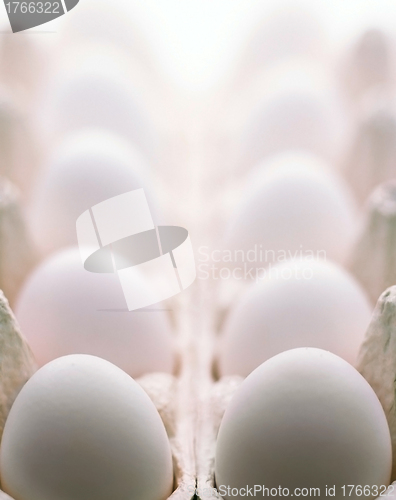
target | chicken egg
x=303, y=419
x=88, y=167
x=99, y=94
x=298, y=110
x=283, y=34
x=64, y=309
x=302, y=303
x=98, y=20
x=82, y=428
x=293, y=204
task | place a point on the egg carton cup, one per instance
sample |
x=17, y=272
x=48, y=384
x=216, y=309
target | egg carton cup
x=18, y=255
x=17, y=363
x=165, y=390
x=377, y=360
x=373, y=259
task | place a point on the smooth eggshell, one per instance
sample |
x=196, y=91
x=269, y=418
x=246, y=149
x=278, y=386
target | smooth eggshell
x=293, y=203
x=283, y=34
x=87, y=168
x=82, y=428
x=64, y=309
x=101, y=96
x=305, y=418
x=302, y=115
x=301, y=304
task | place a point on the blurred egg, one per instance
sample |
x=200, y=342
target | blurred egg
x=64, y=309
x=304, y=419
x=293, y=204
x=96, y=90
x=88, y=167
x=82, y=428
x=297, y=108
x=302, y=303
x=284, y=33
x=110, y=24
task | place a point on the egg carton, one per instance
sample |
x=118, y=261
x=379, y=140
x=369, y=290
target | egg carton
x=372, y=260
x=18, y=255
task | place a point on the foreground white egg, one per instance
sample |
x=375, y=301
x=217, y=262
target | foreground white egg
x=301, y=304
x=293, y=203
x=304, y=419
x=81, y=429
x=64, y=309
x=88, y=167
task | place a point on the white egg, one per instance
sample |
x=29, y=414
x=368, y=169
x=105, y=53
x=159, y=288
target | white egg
x=112, y=24
x=100, y=94
x=283, y=34
x=302, y=303
x=298, y=110
x=304, y=419
x=64, y=309
x=88, y=167
x=292, y=204
x=81, y=429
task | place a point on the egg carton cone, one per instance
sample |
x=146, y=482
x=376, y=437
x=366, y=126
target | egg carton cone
x=377, y=359
x=367, y=62
x=369, y=158
x=17, y=363
x=19, y=145
x=17, y=253
x=212, y=396
x=373, y=259
x=174, y=400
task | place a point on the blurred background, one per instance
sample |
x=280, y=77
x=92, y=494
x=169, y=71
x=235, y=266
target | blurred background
x=251, y=123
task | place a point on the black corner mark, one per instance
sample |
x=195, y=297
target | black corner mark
x=70, y=4
x=27, y=14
